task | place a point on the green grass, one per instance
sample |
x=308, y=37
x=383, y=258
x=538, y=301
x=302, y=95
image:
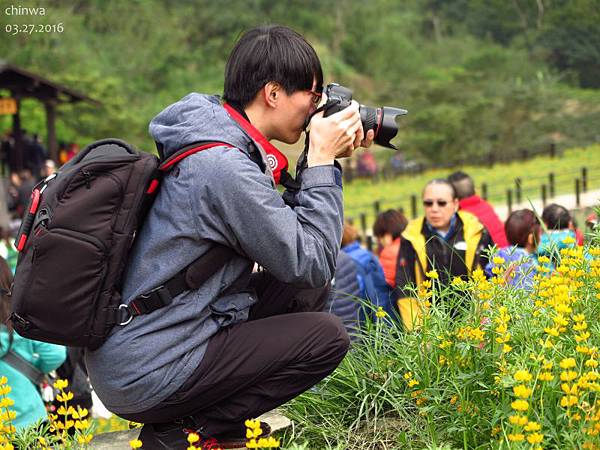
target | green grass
x=360, y=195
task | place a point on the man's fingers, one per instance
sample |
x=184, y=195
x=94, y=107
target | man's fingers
x=368, y=140
x=348, y=112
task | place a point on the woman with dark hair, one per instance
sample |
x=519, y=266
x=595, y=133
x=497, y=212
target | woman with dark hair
x=45, y=357
x=523, y=232
x=388, y=229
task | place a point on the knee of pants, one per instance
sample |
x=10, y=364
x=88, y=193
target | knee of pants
x=334, y=337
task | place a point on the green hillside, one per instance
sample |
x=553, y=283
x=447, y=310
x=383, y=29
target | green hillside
x=478, y=77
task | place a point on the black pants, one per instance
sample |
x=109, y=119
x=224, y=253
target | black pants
x=286, y=346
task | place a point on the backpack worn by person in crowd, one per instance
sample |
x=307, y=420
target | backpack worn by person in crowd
x=74, y=241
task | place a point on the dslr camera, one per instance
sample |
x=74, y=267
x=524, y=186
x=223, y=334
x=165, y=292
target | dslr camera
x=381, y=120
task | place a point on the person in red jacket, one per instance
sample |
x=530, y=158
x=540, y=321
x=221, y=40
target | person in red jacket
x=471, y=202
x=388, y=229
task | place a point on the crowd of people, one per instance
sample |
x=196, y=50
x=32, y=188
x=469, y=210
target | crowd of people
x=457, y=234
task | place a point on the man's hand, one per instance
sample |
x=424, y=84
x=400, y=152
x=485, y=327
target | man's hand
x=336, y=136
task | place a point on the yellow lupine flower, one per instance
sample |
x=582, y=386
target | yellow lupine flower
x=192, y=438
x=583, y=336
x=568, y=401
x=515, y=419
x=552, y=331
x=591, y=363
x=518, y=437
x=522, y=375
x=535, y=438
x=380, y=314
x=533, y=426
x=568, y=375
x=520, y=405
x=64, y=397
x=432, y=274
x=136, y=443
x=567, y=363
x=522, y=391
x=85, y=439
x=498, y=260
x=567, y=389
x=61, y=384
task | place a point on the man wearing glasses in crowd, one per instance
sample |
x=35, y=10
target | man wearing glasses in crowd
x=446, y=240
x=243, y=343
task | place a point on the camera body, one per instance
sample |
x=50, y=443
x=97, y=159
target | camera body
x=381, y=120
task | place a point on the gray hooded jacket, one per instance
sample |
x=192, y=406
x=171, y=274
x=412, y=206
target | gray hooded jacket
x=218, y=195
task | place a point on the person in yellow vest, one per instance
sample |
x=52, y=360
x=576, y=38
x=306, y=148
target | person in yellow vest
x=446, y=240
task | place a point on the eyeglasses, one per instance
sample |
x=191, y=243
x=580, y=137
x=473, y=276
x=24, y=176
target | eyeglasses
x=430, y=203
x=316, y=96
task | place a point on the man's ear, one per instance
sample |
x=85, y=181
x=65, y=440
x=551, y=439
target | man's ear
x=271, y=93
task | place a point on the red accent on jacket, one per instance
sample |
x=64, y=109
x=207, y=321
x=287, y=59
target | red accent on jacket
x=277, y=161
x=487, y=216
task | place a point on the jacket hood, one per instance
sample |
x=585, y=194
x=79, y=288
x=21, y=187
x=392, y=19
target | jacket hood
x=195, y=118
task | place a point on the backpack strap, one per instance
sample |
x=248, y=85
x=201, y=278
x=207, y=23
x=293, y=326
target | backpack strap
x=191, y=277
x=23, y=366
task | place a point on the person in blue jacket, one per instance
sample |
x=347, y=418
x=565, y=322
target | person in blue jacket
x=344, y=295
x=28, y=404
x=371, y=279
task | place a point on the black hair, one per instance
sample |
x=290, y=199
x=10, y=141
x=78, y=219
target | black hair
x=270, y=53
x=391, y=221
x=556, y=217
x=443, y=181
x=519, y=225
x=463, y=184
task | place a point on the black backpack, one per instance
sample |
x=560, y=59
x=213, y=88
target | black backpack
x=74, y=241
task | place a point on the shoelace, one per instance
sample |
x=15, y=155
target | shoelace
x=210, y=444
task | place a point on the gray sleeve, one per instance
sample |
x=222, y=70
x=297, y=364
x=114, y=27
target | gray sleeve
x=298, y=245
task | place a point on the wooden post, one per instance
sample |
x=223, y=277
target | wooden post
x=16, y=160
x=551, y=184
x=413, y=206
x=363, y=223
x=509, y=200
x=518, y=191
x=484, y=191
x=577, y=192
x=584, y=179
x=544, y=196
x=377, y=207
x=552, y=150
x=51, y=143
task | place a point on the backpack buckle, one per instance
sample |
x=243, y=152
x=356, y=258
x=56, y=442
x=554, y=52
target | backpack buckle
x=126, y=320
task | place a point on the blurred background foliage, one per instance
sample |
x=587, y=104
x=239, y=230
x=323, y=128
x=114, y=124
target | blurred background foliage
x=477, y=76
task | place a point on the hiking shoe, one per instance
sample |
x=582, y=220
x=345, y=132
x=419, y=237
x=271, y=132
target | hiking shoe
x=162, y=437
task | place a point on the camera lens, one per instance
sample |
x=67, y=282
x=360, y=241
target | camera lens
x=382, y=121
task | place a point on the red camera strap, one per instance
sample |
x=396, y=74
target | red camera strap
x=277, y=160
